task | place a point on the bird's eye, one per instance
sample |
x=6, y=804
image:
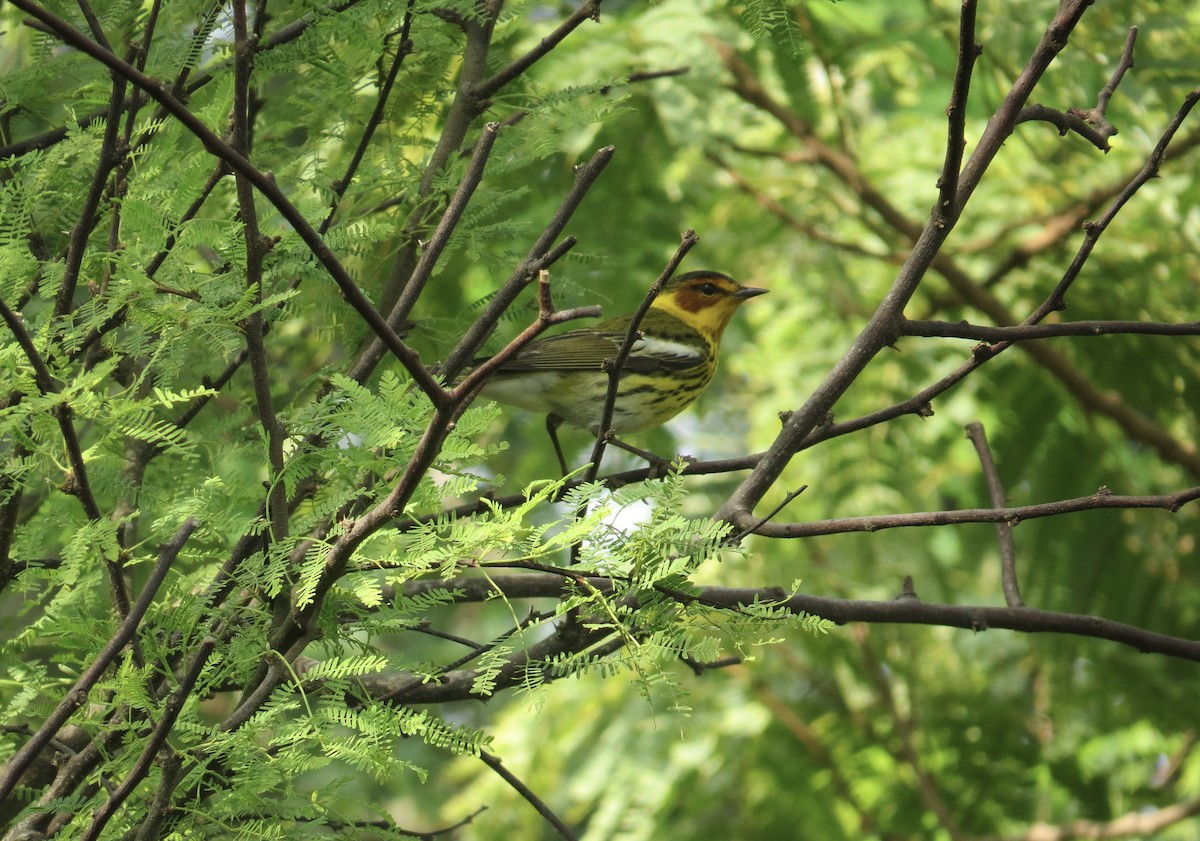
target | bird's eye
x=707, y=288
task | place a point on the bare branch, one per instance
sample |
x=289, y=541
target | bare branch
x=956, y=111
x=1004, y=528
x=876, y=334
x=1065, y=122
x=1100, y=500
x=1094, y=230
x=1028, y=332
x=1089, y=123
x=589, y=10
x=493, y=762
x=457, y=205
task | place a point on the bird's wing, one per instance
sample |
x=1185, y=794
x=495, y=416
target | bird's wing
x=589, y=350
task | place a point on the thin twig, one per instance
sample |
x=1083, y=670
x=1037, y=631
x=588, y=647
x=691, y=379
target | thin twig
x=1065, y=122
x=77, y=483
x=403, y=49
x=1004, y=528
x=1030, y=332
x=1096, y=116
x=180, y=88
x=632, y=335
x=1100, y=500
x=784, y=503
x=525, y=791
x=876, y=334
x=589, y=10
x=455, y=208
x=956, y=111
x=1093, y=230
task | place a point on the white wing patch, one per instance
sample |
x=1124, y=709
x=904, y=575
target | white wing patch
x=676, y=354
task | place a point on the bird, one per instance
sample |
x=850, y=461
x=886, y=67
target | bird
x=672, y=360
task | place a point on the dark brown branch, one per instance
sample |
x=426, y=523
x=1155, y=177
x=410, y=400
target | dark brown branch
x=1096, y=116
x=77, y=695
x=284, y=35
x=1004, y=120
x=1100, y=500
x=159, y=807
x=651, y=75
x=93, y=23
x=876, y=334
x=76, y=484
x=455, y=208
x=525, y=791
x=41, y=374
x=460, y=117
x=1065, y=122
x=547, y=317
x=912, y=611
x=1089, y=123
x=1094, y=230
x=254, y=326
x=109, y=158
x=1134, y=423
x=956, y=111
x=589, y=10
x=1004, y=528
x=1137, y=425
x=1027, y=332
x=787, y=500
x=906, y=609
x=294, y=629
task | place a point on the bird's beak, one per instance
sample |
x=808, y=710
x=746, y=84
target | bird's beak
x=749, y=292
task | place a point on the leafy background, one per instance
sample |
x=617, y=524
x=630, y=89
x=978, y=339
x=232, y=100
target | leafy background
x=863, y=731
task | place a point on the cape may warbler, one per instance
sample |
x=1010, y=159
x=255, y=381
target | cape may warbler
x=673, y=359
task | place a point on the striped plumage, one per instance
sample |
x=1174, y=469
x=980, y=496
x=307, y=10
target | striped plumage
x=670, y=365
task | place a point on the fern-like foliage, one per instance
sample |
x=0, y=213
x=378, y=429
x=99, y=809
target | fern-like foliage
x=247, y=549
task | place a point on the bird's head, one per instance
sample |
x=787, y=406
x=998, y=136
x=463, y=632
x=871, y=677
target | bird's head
x=704, y=300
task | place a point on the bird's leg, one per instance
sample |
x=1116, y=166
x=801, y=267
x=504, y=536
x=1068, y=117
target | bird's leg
x=553, y=422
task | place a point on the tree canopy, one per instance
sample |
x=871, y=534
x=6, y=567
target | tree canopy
x=923, y=564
